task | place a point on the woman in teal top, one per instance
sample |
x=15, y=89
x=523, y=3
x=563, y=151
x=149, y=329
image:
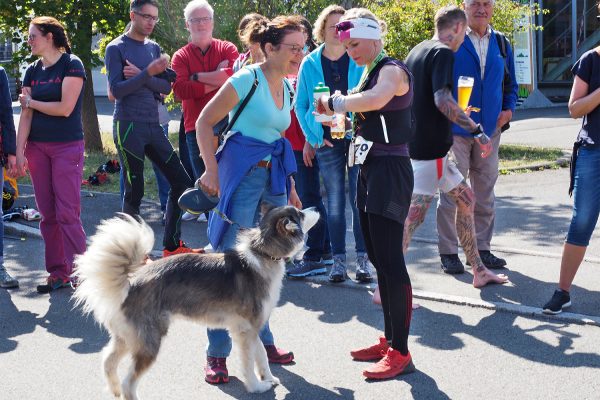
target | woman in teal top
x=252, y=165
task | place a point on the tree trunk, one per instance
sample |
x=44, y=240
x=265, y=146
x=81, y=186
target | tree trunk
x=91, y=128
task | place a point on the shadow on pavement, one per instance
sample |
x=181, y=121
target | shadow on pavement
x=522, y=286
x=545, y=224
x=288, y=379
x=13, y=322
x=499, y=330
x=65, y=321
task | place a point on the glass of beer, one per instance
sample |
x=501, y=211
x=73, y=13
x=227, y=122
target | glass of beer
x=338, y=130
x=465, y=87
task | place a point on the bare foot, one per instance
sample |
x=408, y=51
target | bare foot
x=483, y=276
x=376, y=296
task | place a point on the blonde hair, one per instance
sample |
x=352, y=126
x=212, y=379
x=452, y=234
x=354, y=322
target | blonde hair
x=319, y=29
x=354, y=13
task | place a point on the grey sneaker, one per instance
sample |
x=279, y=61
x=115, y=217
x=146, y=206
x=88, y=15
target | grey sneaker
x=364, y=270
x=7, y=281
x=338, y=270
x=304, y=268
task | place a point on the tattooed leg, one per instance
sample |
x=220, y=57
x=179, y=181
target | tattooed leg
x=465, y=228
x=419, y=205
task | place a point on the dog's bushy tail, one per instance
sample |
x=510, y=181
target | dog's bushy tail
x=118, y=248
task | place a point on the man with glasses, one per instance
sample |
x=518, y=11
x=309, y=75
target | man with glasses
x=137, y=79
x=202, y=67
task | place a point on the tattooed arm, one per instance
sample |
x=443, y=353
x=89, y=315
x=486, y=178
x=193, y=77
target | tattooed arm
x=448, y=106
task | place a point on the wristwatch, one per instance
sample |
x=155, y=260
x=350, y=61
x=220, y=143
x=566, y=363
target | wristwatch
x=330, y=103
x=478, y=131
x=195, y=77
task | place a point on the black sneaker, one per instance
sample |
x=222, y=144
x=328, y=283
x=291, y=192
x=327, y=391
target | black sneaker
x=53, y=284
x=451, y=264
x=491, y=261
x=560, y=299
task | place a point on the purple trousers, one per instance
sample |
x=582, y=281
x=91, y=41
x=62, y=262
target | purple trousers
x=56, y=171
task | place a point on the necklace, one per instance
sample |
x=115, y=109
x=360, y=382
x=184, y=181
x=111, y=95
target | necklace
x=266, y=72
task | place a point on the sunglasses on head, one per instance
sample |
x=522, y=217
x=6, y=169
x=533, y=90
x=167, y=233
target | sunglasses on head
x=343, y=26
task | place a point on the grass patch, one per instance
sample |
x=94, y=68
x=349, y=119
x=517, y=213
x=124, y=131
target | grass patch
x=95, y=159
x=524, y=157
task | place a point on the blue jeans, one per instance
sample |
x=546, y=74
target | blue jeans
x=308, y=186
x=161, y=180
x=332, y=164
x=194, y=150
x=586, y=196
x=254, y=188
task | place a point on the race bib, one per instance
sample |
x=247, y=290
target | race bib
x=359, y=148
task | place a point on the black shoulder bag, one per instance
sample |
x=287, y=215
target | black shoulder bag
x=240, y=109
x=506, y=80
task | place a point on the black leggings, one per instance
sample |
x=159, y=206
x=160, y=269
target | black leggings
x=135, y=141
x=383, y=239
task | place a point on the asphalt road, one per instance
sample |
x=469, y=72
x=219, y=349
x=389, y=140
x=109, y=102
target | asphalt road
x=48, y=350
x=469, y=344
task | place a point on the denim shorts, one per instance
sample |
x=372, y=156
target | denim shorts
x=586, y=196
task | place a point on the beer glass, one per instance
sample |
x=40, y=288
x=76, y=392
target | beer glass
x=465, y=87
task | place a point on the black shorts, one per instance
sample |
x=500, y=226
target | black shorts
x=385, y=186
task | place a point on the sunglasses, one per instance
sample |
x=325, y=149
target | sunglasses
x=343, y=26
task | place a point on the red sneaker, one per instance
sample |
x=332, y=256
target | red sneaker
x=215, y=371
x=181, y=249
x=278, y=356
x=393, y=364
x=375, y=352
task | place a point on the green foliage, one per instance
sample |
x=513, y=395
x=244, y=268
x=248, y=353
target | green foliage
x=411, y=21
x=171, y=34
x=82, y=19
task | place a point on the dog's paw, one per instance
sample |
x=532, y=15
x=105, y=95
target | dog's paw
x=260, y=387
x=274, y=381
x=115, y=390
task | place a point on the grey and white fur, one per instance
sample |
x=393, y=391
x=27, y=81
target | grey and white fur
x=236, y=290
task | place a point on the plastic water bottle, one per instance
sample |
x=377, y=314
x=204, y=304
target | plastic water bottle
x=319, y=91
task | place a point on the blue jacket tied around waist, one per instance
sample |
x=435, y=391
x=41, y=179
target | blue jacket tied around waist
x=239, y=154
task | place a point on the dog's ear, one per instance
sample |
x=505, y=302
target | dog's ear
x=265, y=208
x=286, y=226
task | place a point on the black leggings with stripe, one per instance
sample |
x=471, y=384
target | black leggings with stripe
x=134, y=142
x=383, y=239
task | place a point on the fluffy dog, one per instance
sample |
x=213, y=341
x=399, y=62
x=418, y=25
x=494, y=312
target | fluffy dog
x=236, y=290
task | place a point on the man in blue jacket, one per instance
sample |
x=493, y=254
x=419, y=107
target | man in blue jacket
x=480, y=57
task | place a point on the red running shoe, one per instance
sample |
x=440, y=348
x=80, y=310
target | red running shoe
x=215, y=371
x=393, y=364
x=277, y=355
x=375, y=352
x=181, y=249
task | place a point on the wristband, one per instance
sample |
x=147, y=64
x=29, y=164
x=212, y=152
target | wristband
x=338, y=102
x=478, y=131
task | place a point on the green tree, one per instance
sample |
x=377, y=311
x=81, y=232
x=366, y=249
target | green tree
x=411, y=21
x=83, y=19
